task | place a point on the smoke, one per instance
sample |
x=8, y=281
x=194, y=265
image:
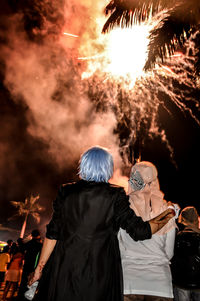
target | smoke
x=43, y=75
x=47, y=117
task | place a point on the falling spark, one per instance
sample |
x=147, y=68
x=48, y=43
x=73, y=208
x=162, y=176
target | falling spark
x=70, y=35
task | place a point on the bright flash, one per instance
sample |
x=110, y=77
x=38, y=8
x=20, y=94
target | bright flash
x=127, y=51
x=123, y=54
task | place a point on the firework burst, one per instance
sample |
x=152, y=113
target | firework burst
x=117, y=81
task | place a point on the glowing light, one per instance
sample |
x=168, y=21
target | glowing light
x=123, y=53
x=177, y=54
x=127, y=51
x=70, y=34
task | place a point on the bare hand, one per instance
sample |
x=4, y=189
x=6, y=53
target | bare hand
x=161, y=220
x=34, y=276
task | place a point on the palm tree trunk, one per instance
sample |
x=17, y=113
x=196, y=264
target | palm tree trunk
x=24, y=226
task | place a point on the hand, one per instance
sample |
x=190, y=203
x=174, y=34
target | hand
x=170, y=205
x=34, y=276
x=161, y=220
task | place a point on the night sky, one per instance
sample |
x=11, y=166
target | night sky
x=41, y=139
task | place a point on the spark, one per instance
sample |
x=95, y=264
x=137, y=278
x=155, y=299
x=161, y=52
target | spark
x=165, y=70
x=70, y=35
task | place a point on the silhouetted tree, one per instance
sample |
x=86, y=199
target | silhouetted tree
x=26, y=208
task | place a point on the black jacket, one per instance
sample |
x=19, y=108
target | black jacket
x=85, y=264
x=32, y=249
x=185, y=265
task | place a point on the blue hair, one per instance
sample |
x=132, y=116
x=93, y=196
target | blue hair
x=96, y=164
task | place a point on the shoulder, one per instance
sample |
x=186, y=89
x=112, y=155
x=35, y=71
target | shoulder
x=27, y=244
x=64, y=189
x=117, y=188
x=68, y=186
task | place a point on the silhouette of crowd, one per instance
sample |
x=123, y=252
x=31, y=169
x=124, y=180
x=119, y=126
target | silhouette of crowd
x=17, y=261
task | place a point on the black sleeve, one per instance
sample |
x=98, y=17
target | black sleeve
x=54, y=226
x=126, y=218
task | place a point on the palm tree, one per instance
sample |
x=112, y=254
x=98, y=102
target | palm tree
x=180, y=19
x=26, y=208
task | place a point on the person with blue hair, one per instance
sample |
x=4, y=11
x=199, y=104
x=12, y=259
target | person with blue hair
x=80, y=258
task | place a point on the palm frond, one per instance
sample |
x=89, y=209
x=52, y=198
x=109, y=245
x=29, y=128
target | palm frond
x=16, y=204
x=36, y=208
x=125, y=13
x=21, y=207
x=33, y=199
x=36, y=216
x=29, y=206
x=172, y=32
x=12, y=217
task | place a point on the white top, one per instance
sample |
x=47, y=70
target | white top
x=145, y=264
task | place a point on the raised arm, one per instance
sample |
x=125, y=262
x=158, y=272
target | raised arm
x=126, y=218
x=160, y=220
x=134, y=225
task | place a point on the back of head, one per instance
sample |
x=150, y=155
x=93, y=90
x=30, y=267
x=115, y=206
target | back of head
x=96, y=164
x=142, y=173
x=14, y=248
x=185, y=265
x=6, y=249
x=35, y=233
x=9, y=242
x=189, y=216
x=145, y=196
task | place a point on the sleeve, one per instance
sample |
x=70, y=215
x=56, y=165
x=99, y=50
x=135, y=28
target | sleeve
x=54, y=226
x=8, y=258
x=126, y=218
x=169, y=244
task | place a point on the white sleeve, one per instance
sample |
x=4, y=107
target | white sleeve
x=169, y=244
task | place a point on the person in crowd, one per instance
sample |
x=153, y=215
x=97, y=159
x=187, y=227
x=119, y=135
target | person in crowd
x=81, y=244
x=20, y=243
x=146, y=264
x=4, y=260
x=32, y=251
x=9, y=244
x=185, y=265
x=14, y=272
